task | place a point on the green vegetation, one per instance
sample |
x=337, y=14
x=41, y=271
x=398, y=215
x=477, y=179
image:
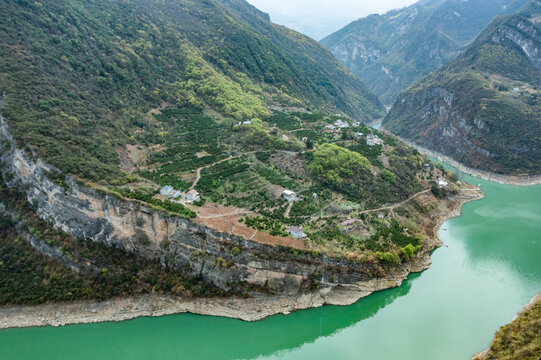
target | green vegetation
x=80, y=76
x=494, y=86
x=176, y=208
x=27, y=277
x=177, y=93
x=351, y=174
x=338, y=167
x=284, y=121
x=277, y=177
x=402, y=46
x=269, y=225
x=520, y=339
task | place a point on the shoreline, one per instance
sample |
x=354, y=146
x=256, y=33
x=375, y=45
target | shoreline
x=485, y=175
x=484, y=355
x=248, y=309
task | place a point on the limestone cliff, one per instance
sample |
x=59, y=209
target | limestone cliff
x=482, y=109
x=389, y=52
x=185, y=245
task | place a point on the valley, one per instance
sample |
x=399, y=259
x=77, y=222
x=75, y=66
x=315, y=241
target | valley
x=162, y=160
x=481, y=109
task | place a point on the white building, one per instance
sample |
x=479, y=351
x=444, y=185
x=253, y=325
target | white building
x=442, y=183
x=341, y=124
x=167, y=190
x=192, y=196
x=296, y=232
x=372, y=140
x=289, y=195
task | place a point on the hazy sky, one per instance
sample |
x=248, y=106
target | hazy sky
x=318, y=18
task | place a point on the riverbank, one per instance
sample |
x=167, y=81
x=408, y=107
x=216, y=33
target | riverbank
x=248, y=309
x=486, y=175
x=488, y=354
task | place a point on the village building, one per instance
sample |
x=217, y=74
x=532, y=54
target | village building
x=289, y=195
x=442, y=183
x=192, y=196
x=381, y=215
x=341, y=124
x=349, y=222
x=296, y=232
x=166, y=190
x=372, y=140
x=169, y=192
x=329, y=127
x=244, y=123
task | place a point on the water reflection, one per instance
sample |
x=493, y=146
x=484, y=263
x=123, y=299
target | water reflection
x=197, y=337
x=504, y=227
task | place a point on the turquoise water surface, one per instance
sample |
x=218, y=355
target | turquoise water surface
x=488, y=269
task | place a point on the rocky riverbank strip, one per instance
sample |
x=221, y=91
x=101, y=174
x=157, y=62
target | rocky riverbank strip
x=249, y=309
x=486, y=175
x=254, y=308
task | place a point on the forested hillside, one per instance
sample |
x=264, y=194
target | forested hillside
x=390, y=52
x=483, y=108
x=80, y=76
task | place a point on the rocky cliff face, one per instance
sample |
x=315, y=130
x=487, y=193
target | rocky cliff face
x=390, y=52
x=441, y=126
x=524, y=35
x=185, y=245
x=482, y=109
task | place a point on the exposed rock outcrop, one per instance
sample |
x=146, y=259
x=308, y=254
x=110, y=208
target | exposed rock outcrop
x=187, y=246
x=482, y=109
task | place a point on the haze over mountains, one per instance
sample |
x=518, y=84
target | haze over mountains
x=483, y=108
x=390, y=52
x=319, y=18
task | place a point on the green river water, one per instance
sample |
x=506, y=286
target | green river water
x=487, y=271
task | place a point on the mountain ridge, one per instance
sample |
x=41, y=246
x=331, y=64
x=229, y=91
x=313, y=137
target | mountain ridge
x=482, y=109
x=82, y=75
x=390, y=52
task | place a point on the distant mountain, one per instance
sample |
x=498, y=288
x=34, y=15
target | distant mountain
x=390, y=52
x=80, y=76
x=483, y=108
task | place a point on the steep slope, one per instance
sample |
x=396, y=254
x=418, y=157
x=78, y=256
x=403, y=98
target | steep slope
x=390, y=52
x=482, y=109
x=80, y=76
x=520, y=339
